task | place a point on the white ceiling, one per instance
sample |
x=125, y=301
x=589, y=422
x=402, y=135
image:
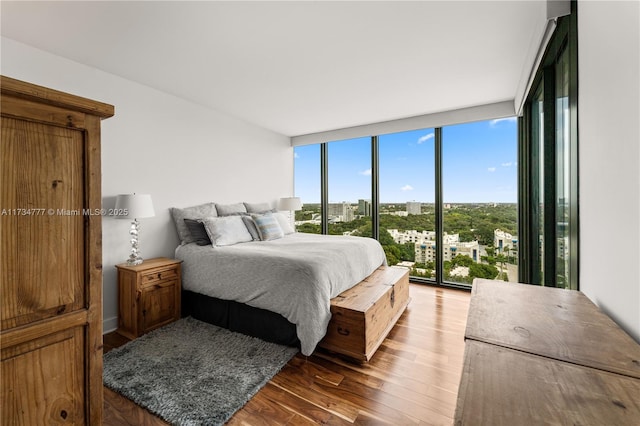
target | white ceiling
x=297, y=67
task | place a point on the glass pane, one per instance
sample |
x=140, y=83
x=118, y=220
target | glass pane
x=480, y=193
x=349, y=164
x=537, y=201
x=307, y=187
x=407, y=197
x=562, y=171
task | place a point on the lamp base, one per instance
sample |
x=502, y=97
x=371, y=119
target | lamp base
x=134, y=257
x=134, y=261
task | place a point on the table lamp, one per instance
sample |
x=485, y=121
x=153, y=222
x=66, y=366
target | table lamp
x=134, y=206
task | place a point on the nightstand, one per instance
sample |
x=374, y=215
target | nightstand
x=148, y=295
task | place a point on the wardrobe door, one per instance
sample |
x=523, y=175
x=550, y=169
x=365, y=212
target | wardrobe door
x=42, y=228
x=50, y=256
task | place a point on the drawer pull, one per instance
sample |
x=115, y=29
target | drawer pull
x=393, y=296
x=343, y=331
x=159, y=275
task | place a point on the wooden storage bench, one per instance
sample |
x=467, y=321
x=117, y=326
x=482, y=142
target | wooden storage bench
x=543, y=355
x=362, y=316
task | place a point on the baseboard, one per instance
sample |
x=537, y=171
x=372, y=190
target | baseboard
x=109, y=325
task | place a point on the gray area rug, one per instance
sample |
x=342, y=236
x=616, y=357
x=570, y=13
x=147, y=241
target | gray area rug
x=193, y=373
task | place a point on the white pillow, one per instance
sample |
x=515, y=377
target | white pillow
x=284, y=223
x=227, y=230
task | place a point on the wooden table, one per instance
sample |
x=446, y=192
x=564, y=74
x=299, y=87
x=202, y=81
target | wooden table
x=540, y=355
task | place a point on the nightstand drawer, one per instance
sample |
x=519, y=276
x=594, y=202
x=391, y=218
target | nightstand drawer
x=159, y=275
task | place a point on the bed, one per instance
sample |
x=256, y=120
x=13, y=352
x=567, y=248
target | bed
x=278, y=289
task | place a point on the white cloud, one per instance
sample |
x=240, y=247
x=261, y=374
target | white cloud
x=509, y=164
x=407, y=188
x=296, y=155
x=366, y=172
x=491, y=169
x=425, y=138
x=500, y=120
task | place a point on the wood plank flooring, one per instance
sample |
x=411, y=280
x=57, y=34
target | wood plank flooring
x=412, y=379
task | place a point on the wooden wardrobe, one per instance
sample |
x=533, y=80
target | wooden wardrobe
x=50, y=256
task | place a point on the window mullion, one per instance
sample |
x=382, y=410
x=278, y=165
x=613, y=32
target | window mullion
x=375, y=188
x=324, y=188
x=550, y=177
x=439, y=224
x=524, y=198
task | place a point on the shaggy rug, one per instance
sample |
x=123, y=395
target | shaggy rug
x=193, y=373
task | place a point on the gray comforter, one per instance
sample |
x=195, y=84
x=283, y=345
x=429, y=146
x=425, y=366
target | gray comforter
x=295, y=276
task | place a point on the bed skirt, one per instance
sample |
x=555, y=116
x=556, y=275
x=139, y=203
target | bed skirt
x=240, y=318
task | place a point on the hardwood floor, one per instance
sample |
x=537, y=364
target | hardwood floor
x=412, y=379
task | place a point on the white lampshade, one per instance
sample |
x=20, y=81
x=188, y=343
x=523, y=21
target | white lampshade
x=290, y=204
x=133, y=206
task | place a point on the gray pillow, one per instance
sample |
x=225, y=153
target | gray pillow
x=198, y=232
x=251, y=227
x=230, y=209
x=195, y=212
x=226, y=231
x=258, y=207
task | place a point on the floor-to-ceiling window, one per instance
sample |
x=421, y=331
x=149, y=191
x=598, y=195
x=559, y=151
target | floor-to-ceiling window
x=480, y=194
x=563, y=168
x=536, y=195
x=387, y=187
x=308, y=187
x=349, y=187
x=407, y=199
x=550, y=163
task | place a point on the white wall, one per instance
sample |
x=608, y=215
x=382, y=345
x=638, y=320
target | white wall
x=609, y=139
x=179, y=152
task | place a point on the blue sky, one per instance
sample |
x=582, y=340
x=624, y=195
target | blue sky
x=479, y=165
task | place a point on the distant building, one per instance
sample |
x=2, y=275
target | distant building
x=340, y=212
x=426, y=252
x=502, y=239
x=414, y=207
x=425, y=245
x=364, y=207
x=411, y=236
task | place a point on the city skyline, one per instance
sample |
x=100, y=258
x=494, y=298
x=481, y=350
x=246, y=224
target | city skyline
x=479, y=166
